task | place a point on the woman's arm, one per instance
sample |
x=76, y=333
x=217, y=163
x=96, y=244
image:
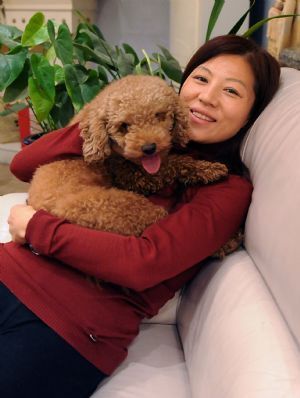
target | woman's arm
x=56, y=145
x=195, y=231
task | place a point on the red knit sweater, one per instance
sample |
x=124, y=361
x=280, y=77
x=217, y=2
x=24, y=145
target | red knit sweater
x=100, y=322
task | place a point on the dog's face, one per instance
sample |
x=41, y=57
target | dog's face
x=137, y=117
x=141, y=134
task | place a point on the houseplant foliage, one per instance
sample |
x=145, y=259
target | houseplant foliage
x=56, y=72
x=215, y=15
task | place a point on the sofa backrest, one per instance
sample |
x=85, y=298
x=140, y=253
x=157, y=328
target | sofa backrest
x=271, y=152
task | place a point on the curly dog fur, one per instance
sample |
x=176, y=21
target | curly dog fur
x=127, y=130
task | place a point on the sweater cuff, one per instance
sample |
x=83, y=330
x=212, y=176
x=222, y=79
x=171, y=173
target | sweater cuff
x=40, y=232
x=76, y=142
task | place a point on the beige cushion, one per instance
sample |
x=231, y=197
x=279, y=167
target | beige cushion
x=155, y=367
x=272, y=153
x=235, y=340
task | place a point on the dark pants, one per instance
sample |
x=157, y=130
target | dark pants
x=34, y=361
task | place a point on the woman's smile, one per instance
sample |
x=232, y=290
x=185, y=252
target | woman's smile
x=198, y=116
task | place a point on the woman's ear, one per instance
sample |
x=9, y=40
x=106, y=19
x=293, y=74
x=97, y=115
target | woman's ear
x=181, y=124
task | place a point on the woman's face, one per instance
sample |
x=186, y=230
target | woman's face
x=219, y=94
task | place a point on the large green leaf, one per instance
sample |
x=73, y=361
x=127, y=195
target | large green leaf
x=89, y=38
x=10, y=36
x=63, y=45
x=41, y=103
x=51, y=30
x=50, y=55
x=11, y=66
x=92, y=86
x=10, y=32
x=63, y=110
x=260, y=23
x=91, y=27
x=168, y=55
x=59, y=75
x=84, y=38
x=97, y=31
x=73, y=80
x=18, y=89
x=41, y=87
x=95, y=56
x=125, y=63
x=169, y=65
x=216, y=10
x=82, y=85
x=44, y=74
x=104, y=48
x=35, y=31
x=172, y=64
x=129, y=50
x=9, y=43
x=102, y=74
x=171, y=69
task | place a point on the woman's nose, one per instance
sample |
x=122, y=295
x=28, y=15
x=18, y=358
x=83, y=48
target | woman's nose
x=209, y=96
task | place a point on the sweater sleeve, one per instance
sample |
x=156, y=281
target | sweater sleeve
x=195, y=231
x=58, y=144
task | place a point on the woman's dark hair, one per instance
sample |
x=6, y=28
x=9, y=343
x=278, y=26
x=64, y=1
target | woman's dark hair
x=266, y=72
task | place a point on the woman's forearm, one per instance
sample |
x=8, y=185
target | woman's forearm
x=56, y=145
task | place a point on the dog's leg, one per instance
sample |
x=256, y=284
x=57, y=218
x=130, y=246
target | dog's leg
x=109, y=209
x=191, y=171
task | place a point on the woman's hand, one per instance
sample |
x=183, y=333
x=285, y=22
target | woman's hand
x=18, y=220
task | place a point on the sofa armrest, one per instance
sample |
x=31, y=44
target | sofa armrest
x=235, y=340
x=6, y=202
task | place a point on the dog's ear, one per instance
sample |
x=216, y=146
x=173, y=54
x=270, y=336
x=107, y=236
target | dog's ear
x=92, y=124
x=181, y=124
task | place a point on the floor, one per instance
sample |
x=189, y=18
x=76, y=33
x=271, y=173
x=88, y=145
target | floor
x=9, y=183
x=9, y=146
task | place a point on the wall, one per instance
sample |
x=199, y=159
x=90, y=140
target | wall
x=189, y=20
x=144, y=24
x=179, y=25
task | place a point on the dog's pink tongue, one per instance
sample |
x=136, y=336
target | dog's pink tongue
x=151, y=163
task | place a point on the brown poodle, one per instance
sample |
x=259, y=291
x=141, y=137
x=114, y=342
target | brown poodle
x=127, y=130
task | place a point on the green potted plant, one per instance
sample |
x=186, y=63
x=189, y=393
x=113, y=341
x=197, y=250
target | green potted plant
x=55, y=72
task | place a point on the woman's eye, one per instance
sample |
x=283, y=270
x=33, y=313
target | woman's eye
x=124, y=127
x=232, y=91
x=201, y=79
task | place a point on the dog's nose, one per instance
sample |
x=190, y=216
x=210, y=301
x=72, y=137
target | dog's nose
x=149, y=149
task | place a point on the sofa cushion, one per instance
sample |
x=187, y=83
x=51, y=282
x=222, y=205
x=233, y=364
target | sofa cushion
x=272, y=152
x=155, y=367
x=235, y=341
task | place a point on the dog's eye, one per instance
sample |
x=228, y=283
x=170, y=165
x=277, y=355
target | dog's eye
x=124, y=127
x=161, y=116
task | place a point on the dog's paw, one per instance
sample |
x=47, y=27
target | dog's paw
x=213, y=172
x=230, y=246
x=202, y=171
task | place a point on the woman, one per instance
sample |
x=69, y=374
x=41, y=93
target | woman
x=70, y=331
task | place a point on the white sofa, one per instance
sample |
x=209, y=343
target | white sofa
x=235, y=330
